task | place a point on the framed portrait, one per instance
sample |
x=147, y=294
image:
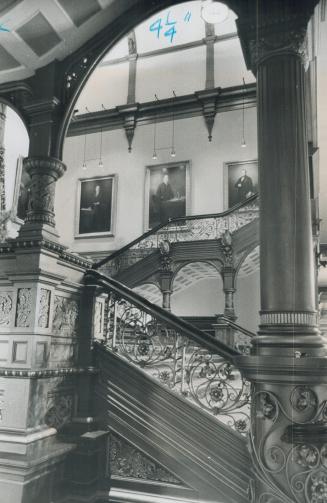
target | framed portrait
x=240, y=181
x=21, y=192
x=95, y=206
x=167, y=192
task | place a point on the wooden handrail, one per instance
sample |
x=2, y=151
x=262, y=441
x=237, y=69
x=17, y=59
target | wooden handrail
x=201, y=338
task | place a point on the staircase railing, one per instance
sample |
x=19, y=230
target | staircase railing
x=189, y=361
x=189, y=228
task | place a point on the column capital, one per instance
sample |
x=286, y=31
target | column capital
x=281, y=30
x=44, y=172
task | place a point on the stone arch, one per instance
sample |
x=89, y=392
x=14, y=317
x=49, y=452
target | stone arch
x=199, y=291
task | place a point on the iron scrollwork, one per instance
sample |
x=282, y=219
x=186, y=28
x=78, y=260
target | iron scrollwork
x=291, y=458
x=205, y=378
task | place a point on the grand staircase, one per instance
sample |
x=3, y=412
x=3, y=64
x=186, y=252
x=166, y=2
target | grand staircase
x=176, y=406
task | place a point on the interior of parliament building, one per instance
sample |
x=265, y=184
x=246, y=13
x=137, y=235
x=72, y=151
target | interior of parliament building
x=163, y=253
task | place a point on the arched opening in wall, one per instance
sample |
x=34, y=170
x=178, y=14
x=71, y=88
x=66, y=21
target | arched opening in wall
x=14, y=181
x=197, y=291
x=149, y=291
x=247, y=297
x=141, y=119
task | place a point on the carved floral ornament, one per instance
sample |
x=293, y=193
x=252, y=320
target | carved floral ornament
x=6, y=306
x=291, y=462
x=44, y=172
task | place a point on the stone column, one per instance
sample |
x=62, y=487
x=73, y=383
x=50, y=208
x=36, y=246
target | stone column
x=40, y=222
x=288, y=365
x=3, y=214
x=165, y=280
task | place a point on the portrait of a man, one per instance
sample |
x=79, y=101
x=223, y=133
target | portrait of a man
x=95, y=205
x=167, y=186
x=241, y=181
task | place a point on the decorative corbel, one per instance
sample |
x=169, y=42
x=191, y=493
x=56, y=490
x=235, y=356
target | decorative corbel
x=208, y=99
x=129, y=115
x=227, y=247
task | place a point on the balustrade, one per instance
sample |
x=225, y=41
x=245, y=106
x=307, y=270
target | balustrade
x=190, y=362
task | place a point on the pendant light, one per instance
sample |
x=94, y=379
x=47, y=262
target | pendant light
x=100, y=160
x=243, y=143
x=84, y=161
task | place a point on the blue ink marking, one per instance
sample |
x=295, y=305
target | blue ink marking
x=156, y=26
x=187, y=17
x=172, y=31
x=3, y=28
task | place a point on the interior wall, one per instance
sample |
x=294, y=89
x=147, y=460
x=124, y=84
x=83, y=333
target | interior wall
x=207, y=171
x=247, y=305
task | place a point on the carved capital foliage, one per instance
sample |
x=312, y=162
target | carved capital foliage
x=44, y=172
x=290, y=452
x=274, y=29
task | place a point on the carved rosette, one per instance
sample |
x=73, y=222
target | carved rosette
x=44, y=172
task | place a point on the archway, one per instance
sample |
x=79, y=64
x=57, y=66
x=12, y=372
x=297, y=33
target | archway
x=197, y=290
x=14, y=181
x=135, y=100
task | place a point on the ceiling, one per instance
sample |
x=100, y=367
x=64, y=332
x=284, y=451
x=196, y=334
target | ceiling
x=42, y=31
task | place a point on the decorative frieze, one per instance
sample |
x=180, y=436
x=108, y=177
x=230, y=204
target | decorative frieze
x=125, y=460
x=44, y=308
x=65, y=316
x=24, y=308
x=6, y=307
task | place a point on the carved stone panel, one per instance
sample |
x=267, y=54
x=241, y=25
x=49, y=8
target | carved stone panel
x=125, y=460
x=24, y=309
x=65, y=316
x=60, y=408
x=98, y=319
x=6, y=307
x=44, y=308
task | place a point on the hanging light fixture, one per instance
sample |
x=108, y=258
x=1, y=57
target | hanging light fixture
x=173, y=151
x=154, y=155
x=84, y=161
x=243, y=142
x=100, y=160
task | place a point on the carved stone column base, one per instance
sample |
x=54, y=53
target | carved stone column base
x=288, y=437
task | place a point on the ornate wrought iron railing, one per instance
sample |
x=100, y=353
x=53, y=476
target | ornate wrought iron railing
x=189, y=228
x=189, y=361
